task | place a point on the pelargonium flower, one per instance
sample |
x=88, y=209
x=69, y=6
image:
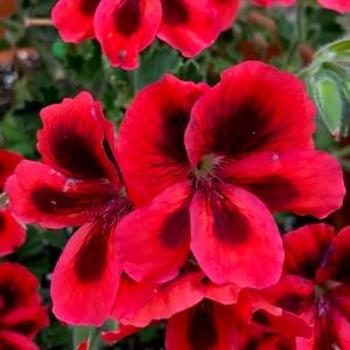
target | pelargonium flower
x=21, y=314
x=12, y=234
x=316, y=284
x=126, y=27
x=77, y=183
x=199, y=314
x=341, y=6
x=209, y=166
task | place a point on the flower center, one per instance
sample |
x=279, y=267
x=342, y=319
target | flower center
x=207, y=166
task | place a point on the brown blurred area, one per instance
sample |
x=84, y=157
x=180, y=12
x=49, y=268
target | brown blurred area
x=7, y=9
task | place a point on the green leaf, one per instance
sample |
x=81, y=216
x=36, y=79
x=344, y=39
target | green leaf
x=329, y=102
x=154, y=64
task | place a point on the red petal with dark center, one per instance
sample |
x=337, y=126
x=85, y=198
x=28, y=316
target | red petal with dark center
x=206, y=326
x=308, y=182
x=86, y=278
x=152, y=153
x=254, y=108
x=12, y=234
x=39, y=194
x=305, y=249
x=234, y=237
x=74, y=19
x=73, y=139
x=189, y=25
x=158, y=232
x=124, y=28
x=8, y=162
x=335, y=263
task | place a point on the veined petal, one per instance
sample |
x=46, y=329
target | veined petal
x=39, y=194
x=307, y=182
x=151, y=151
x=234, y=237
x=86, y=278
x=254, y=108
x=159, y=232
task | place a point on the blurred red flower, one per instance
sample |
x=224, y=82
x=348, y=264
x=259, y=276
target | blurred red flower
x=126, y=27
x=12, y=234
x=21, y=314
x=316, y=284
x=77, y=183
x=208, y=166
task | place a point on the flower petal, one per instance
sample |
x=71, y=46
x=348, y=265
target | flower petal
x=12, y=234
x=167, y=300
x=234, y=238
x=342, y=6
x=15, y=341
x=151, y=152
x=254, y=108
x=8, y=162
x=227, y=11
x=206, y=326
x=74, y=19
x=86, y=278
x=305, y=249
x=307, y=183
x=189, y=25
x=124, y=28
x=158, y=232
x=38, y=194
x=73, y=139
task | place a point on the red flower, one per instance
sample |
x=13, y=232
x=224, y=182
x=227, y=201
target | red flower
x=21, y=313
x=341, y=6
x=316, y=284
x=209, y=165
x=76, y=184
x=126, y=27
x=201, y=315
x=12, y=234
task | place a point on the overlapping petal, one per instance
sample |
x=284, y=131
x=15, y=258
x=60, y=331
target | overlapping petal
x=151, y=150
x=74, y=139
x=12, y=234
x=297, y=181
x=126, y=27
x=74, y=19
x=254, y=108
x=162, y=227
x=86, y=277
x=231, y=231
x=8, y=162
x=41, y=195
x=342, y=6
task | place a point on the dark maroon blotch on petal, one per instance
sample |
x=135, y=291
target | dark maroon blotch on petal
x=175, y=12
x=88, y=7
x=176, y=228
x=261, y=318
x=2, y=222
x=202, y=332
x=293, y=302
x=91, y=260
x=128, y=17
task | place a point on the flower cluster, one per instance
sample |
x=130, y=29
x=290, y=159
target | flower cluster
x=126, y=27
x=176, y=214
x=21, y=314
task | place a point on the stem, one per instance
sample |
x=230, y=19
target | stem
x=37, y=22
x=299, y=32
